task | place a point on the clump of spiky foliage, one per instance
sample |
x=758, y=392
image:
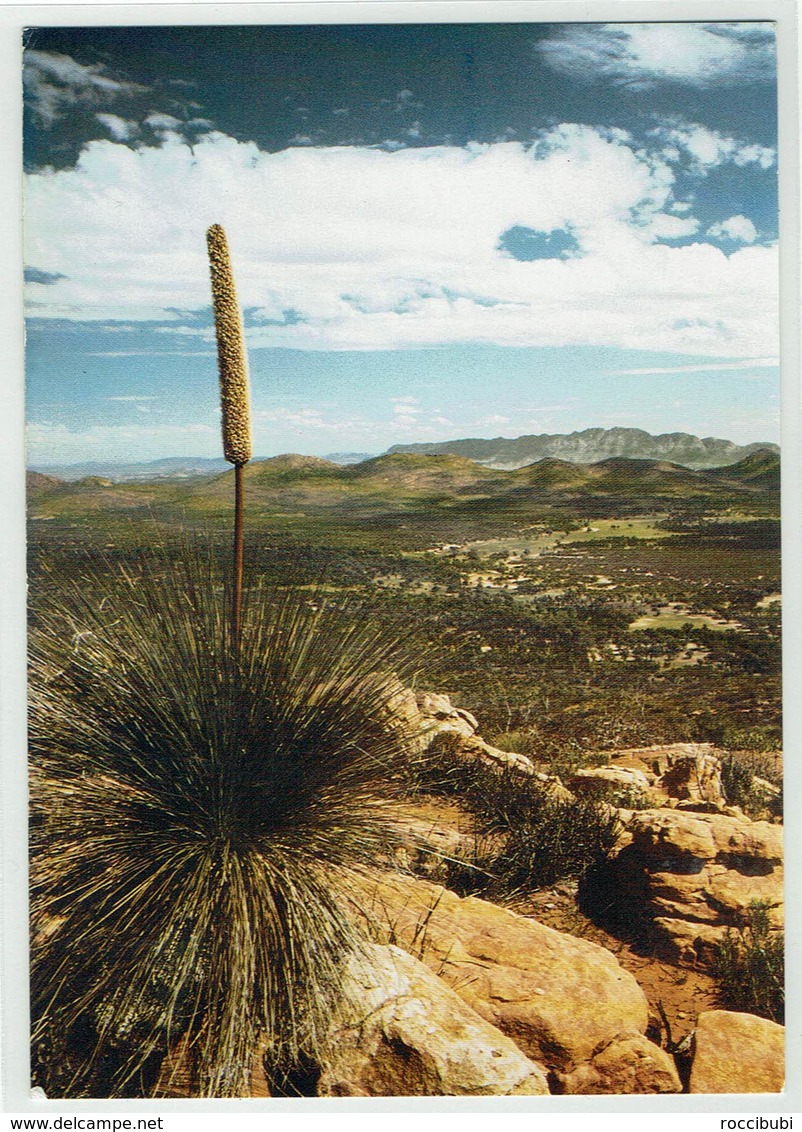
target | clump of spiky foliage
x=198, y=811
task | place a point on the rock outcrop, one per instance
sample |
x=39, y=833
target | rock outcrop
x=565, y=1002
x=409, y=1034
x=452, y=730
x=737, y=1053
x=684, y=773
x=694, y=875
x=606, y=780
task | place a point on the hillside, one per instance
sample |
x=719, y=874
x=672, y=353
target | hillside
x=592, y=445
x=37, y=485
x=428, y=497
x=410, y=472
x=760, y=469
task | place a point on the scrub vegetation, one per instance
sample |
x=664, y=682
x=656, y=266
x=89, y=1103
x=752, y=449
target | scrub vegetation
x=177, y=786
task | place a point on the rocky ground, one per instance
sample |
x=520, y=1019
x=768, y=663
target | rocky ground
x=687, y=867
x=552, y=992
x=676, y=995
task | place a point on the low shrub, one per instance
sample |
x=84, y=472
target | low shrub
x=748, y=778
x=753, y=739
x=535, y=838
x=474, y=872
x=556, y=840
x=749, y=965
x=520, y=741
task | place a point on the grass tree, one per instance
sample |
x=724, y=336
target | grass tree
x=199, y=816
x=211, y=770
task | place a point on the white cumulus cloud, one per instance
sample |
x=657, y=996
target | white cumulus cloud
x=738, y=228
x=641, y=55
x=360, y=248
x=708, y=148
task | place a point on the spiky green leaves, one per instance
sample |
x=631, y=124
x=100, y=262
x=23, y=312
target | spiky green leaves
x=198, y=819
x=232, y=359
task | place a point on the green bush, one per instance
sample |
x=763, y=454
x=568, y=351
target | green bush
x=749, y=964
x=532, y=837
x=741, y=773
x=754, y=739
x=557, y=840
x=198, y=813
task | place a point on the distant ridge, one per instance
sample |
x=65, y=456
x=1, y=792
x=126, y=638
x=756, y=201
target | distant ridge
x=590, y=446
x=170, y=467
x=349, y=457
x=593, y=445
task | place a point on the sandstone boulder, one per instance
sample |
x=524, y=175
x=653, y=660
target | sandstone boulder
x=693, y=775
x=566, y=1002
x=694, y=875
x=629, y=1064
x=404, y=712
x=687, y=942
x=408, y=1034
x=450, y=730
x=737, y=1053
x=593, y=780
x=682, y=772
x=430, y=720
x=472, y=747
x=440, y=715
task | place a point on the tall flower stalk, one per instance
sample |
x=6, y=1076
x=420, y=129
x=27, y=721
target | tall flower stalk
x=232, y=361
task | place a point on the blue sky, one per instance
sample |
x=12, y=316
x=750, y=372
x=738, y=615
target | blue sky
x=438, y=231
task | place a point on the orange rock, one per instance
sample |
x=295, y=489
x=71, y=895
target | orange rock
x=737, y=1053
x=561, y=999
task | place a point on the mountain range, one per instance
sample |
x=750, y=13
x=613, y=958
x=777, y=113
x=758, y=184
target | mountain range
x=167, y=468
x=587, y=447
x=593, y=445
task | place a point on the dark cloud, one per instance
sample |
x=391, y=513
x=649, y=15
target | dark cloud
x=55, y=82
x=47, y=278
x=420, y=84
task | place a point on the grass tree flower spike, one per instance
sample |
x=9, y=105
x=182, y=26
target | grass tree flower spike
x=236, y=411
x=231, y=357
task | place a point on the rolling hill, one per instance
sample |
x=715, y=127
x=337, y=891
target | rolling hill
x=417, y=487
x=589, y=446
